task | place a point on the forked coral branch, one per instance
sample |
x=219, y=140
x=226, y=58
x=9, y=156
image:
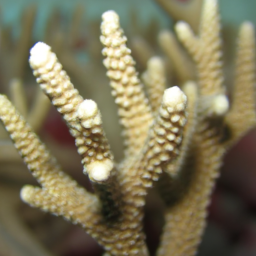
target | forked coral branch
x=242, y=116
x=182, y=65
x=188, y=11
x=153, y=138
x=188, y=196
x=114, y=217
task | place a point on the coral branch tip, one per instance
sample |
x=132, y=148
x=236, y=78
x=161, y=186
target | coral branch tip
x=39, y=54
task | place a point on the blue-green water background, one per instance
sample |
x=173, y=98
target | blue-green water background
x=232, y=11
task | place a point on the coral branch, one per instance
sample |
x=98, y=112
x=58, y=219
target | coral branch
x=242, y=116
x=189, y=11
x=191, y=91
x=155, y=80
x=206, y=49
x=154, y=128
x=191, y=188
x=166, y=135
x=56, y=184
x=182, y=64
x=134, y=111
x=18, y=96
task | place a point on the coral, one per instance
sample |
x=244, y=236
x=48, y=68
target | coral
x=189, y=11
x=120, y=188
x=172, y=138
x=183, y=68
x=154, y=79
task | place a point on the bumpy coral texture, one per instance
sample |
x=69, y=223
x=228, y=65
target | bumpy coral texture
x=113, y=215
x=173, y=137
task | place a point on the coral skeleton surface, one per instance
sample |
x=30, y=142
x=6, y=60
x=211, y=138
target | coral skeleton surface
x=174, y=138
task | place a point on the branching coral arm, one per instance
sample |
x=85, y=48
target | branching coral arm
x=183, y=67
x=18, y=96
x=189, y=192
x=97, y=158
x=187, y=37
x=43, y=166
x=242, y=115
x=40, y=106
x=188, y=11
x=185, y=220
x=155, y=80
x=165, y=137
x=206, y=49
x=92, y=143
x=83, y=119
x=82, y=116
x=168, y=180
x=39, y=110
x=191, y=91
x=15, y=237
x=24, y=41
x=55, y=183
x=59, y=193
x=134, y=110
x=162, y=146
x=56, y=84
x=141, y=51
x=78, y=207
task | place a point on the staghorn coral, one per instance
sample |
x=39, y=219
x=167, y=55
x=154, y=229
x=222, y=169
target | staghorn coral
x=189, y=11
x=189, y=192
x=154, y=79
x=14, y=53
x=244, y=75
x=23, y=241
x=152, y=136
x=116, y=224
x=182, y=66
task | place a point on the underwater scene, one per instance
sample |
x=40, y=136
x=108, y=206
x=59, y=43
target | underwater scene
x=127, y=128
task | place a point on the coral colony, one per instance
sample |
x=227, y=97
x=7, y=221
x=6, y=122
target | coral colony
x=174, y=138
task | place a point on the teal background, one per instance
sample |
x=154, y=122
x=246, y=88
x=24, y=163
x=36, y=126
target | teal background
x=11, y=10
x=232, y=11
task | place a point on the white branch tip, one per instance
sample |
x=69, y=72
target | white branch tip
x=26, y=192
x=156, y=64
x=174, y=97
x=87, y=109
x=220, y=105
x=110, y=16
x=39, y=54
x=100, y=171
x=182, y=28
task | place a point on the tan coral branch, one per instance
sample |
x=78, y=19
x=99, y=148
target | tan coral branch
x=191, y=91
x=183, y=67
x=134, y=110
x=242, y=115
x=188, y=11
x=85, y=123
x=206, y=49
x=18, y=96
x=186, y=214
x=155, y=80
x=166, y=135
x=39, y=110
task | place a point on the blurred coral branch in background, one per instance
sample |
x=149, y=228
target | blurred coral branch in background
x=174, y=137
